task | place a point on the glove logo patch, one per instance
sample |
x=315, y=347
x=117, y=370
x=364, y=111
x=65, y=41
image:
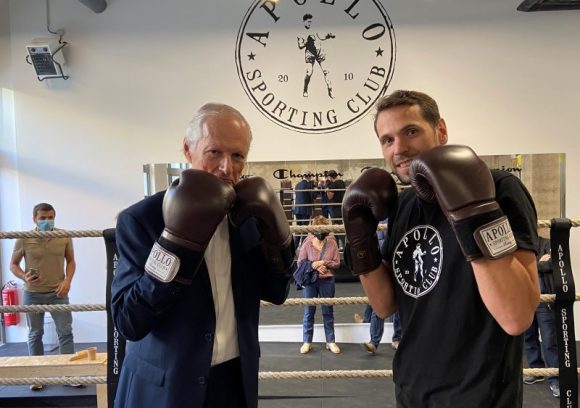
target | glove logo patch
x=496, y=239
x=162, y=264
x=417, y=260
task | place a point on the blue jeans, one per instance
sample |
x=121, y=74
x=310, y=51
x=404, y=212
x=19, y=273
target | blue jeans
x=397, y=330
x=62, y=322
x=544, y=322
x=323, y=288
x=377, y=327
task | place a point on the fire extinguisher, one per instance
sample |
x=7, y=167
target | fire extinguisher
x=10, y=298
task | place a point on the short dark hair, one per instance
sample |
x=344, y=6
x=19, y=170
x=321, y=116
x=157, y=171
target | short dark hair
x=428, y=106
x=306, y=17
x=42, y=207
x=333, y=174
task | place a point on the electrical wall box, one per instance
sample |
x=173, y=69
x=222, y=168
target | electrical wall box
x=45, y=54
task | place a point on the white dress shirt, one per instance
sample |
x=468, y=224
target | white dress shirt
x=219, y=265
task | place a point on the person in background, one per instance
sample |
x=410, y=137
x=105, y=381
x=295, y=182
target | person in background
x=324, y=200
x=544, y=324
x=476, y=290
x=335, y=192
x=303, y=203
x=49, y=267
x=321, y=249
x=194, y=263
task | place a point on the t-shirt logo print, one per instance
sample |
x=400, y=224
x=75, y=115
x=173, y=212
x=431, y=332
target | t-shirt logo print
x=417, y=260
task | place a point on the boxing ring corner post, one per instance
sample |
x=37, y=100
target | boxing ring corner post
x=115, y=342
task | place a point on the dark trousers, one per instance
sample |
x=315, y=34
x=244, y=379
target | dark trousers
x=225, y=386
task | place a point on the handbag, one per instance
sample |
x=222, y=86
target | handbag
x=304, y=274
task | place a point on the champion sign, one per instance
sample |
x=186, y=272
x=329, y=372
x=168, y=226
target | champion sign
x=315, y=66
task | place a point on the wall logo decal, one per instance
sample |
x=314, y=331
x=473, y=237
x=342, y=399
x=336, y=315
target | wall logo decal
x=315, y=66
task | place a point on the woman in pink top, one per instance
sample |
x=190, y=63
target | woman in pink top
x=311, y=249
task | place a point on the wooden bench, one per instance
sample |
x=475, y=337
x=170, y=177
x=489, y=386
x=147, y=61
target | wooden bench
x=57, y=366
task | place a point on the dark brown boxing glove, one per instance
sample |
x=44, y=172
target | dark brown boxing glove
x=463, y=186
x=193, y=207
x=367, y=201
x=255, y=198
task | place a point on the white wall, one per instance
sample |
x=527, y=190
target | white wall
x=506, y=82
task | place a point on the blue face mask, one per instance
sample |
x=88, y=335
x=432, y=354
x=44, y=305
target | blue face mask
x=45, y=225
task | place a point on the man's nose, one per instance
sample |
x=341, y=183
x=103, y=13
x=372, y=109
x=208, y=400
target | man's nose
x=226, y=164
x=399, y=146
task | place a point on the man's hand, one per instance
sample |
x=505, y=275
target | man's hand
x=255, y=198
x=545, y=257
x=464, y=188
x=193, y=207
x=63, y=289
x=368, y=200
x=31, y=278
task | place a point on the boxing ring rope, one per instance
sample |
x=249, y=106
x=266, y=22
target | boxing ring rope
x=263, y=375
x=353, y=300
x=293, y=228
x=282, y=375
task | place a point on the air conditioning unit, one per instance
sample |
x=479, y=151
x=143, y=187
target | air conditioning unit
x=45, y=54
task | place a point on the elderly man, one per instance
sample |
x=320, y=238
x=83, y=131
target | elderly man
x=195, y=262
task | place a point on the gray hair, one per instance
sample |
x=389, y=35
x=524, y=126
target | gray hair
x=194, y=128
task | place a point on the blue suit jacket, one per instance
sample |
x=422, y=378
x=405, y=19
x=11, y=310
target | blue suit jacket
x=170, y=326
x=304, y=197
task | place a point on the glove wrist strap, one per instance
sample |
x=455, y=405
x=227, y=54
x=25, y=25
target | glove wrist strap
x=486, y=235
x=280, y=259
x=365, y=257
x=170, y=262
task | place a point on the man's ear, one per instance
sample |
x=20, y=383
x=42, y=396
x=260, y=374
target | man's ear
x=442, y=131
x=186, y=151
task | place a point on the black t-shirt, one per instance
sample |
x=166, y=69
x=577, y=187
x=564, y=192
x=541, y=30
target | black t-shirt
x=338, y=196
x=453, y=353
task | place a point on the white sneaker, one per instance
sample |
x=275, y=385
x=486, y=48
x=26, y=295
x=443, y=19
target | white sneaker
x=333, y=348
x=36, y=387
x=306, y=347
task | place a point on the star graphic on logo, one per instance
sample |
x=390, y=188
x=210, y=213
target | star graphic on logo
x=251, y=56
x=379, y=52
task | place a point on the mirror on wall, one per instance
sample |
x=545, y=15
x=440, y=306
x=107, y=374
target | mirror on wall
x=542, y=174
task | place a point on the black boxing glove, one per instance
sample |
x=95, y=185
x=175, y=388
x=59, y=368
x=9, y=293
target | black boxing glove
x=463, y=186
x=255, y=198
x=193, y=207
x=367, y=201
